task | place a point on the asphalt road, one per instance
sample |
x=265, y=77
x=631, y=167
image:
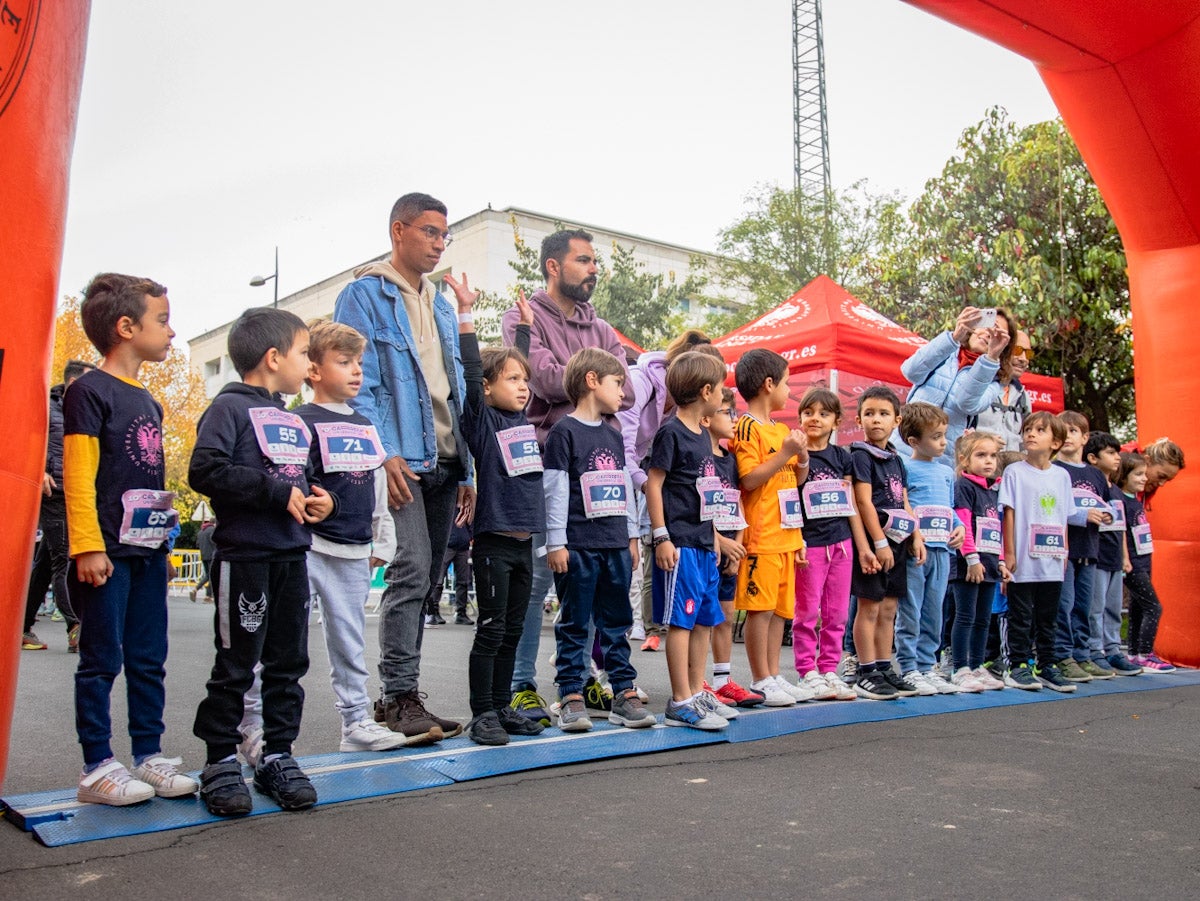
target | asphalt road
x=1097, y=797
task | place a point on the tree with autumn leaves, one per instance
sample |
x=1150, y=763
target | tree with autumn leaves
x=173, y=383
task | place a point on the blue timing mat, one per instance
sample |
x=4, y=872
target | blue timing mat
x=56, y=818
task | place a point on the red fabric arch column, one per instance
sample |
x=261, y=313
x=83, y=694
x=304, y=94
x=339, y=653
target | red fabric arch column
x=42, y=45
x=1125, y=77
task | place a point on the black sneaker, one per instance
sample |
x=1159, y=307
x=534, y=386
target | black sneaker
x=873, y=685
x=485, y=729
x=1022, y=677
x=406, y=714
x=1051, y=676
x=903, y=689
x=462, y=619
x=286, y=783
x=223, y=790
x=515, y=723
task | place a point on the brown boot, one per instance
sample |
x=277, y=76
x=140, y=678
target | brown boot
x=407, y=715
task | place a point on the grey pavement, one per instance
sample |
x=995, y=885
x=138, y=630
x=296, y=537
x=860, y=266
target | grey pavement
x=1094, y=797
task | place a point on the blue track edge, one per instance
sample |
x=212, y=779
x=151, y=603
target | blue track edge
x=56, y=818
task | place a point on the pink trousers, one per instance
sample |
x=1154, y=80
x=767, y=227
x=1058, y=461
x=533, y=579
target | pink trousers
x=822, y=592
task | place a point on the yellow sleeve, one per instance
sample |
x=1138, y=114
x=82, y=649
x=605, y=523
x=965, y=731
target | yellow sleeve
x=81, y=464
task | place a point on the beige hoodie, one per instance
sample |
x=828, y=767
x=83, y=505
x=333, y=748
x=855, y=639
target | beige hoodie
x=429, y=349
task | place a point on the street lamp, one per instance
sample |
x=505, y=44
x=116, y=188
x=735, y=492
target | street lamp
x=258, y=281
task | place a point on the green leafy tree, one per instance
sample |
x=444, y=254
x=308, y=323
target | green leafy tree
x=780, y=245
x=1015, y=220
x=648, y=309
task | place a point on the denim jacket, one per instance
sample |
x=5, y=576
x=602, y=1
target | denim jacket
x=394, y=395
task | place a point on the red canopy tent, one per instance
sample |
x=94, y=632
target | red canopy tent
x=832, y=338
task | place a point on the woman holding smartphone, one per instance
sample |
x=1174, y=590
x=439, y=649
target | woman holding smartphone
x=955, y=370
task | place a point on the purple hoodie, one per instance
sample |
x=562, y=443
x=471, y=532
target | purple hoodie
x=552, y=340
x=642, y=420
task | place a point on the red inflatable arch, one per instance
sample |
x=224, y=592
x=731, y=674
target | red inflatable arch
x=41, y=63
x=1125, y=77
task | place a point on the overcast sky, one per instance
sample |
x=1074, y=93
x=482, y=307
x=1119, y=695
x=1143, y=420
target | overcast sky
x=209, y=133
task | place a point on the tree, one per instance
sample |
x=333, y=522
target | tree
x=777, y=248
x=1016, y=220
x=173, y=383
x=647, y=309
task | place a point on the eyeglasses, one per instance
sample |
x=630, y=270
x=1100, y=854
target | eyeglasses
x=728, y=411
x=1026, y=352
x=432, y=232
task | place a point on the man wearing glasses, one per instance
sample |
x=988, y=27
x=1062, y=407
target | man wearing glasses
x=412, y=391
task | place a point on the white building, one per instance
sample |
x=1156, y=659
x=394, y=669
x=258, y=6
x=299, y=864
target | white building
x=483, y=246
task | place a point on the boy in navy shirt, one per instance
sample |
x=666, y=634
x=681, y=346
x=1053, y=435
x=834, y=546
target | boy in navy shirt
x=119, y=517
x=510, y=509
x=252, y=460
x=680, y=497
x=1073, y=630
x=592, y=539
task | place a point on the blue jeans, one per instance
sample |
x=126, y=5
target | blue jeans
x=124, y=624
x=1106, y=614
x=1073, y=629
x=525, y=664
x=595, y=588
x=919, y=613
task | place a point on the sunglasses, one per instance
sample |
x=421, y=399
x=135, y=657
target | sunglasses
x=1026, y=352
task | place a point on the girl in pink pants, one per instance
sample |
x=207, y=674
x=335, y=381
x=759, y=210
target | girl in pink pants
x=823, y=575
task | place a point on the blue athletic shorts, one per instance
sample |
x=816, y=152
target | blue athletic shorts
x=688, y=594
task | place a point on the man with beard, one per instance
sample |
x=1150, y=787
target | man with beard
x=564, y=322
x=412, y=392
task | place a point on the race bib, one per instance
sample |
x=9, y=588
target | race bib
x=899, y=525
x=603, y=493
x=730, y=517
x=987, y=535
x=1117, y=509
x=1142, y=542
x=520, y=450
x=349, y=446
x=790, y=516
x=282, y=436
x=827, y=498
x=1048, y=542
x=148, y=517
x=1086, y=499
x=712, y=497
x=936, y=523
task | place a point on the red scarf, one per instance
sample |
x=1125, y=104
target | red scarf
x=967, y=357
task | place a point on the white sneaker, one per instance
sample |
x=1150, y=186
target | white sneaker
x=160, y=774
x=915, y=680
x=707, y=702
x=987, y=680
x=114, y=785
x=799, y=692
x=966, y=681
x=847, y=669
x=637, y=633
x=368, y=735
x=841, y=691
x=821, y=690
x=938, y=681
x=773, y=695
x=251, y=746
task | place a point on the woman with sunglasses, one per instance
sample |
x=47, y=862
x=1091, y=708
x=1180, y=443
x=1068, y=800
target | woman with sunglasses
x=1007, y=400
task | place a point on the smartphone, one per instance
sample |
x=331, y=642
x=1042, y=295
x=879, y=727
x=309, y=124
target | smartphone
x=987, y=318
